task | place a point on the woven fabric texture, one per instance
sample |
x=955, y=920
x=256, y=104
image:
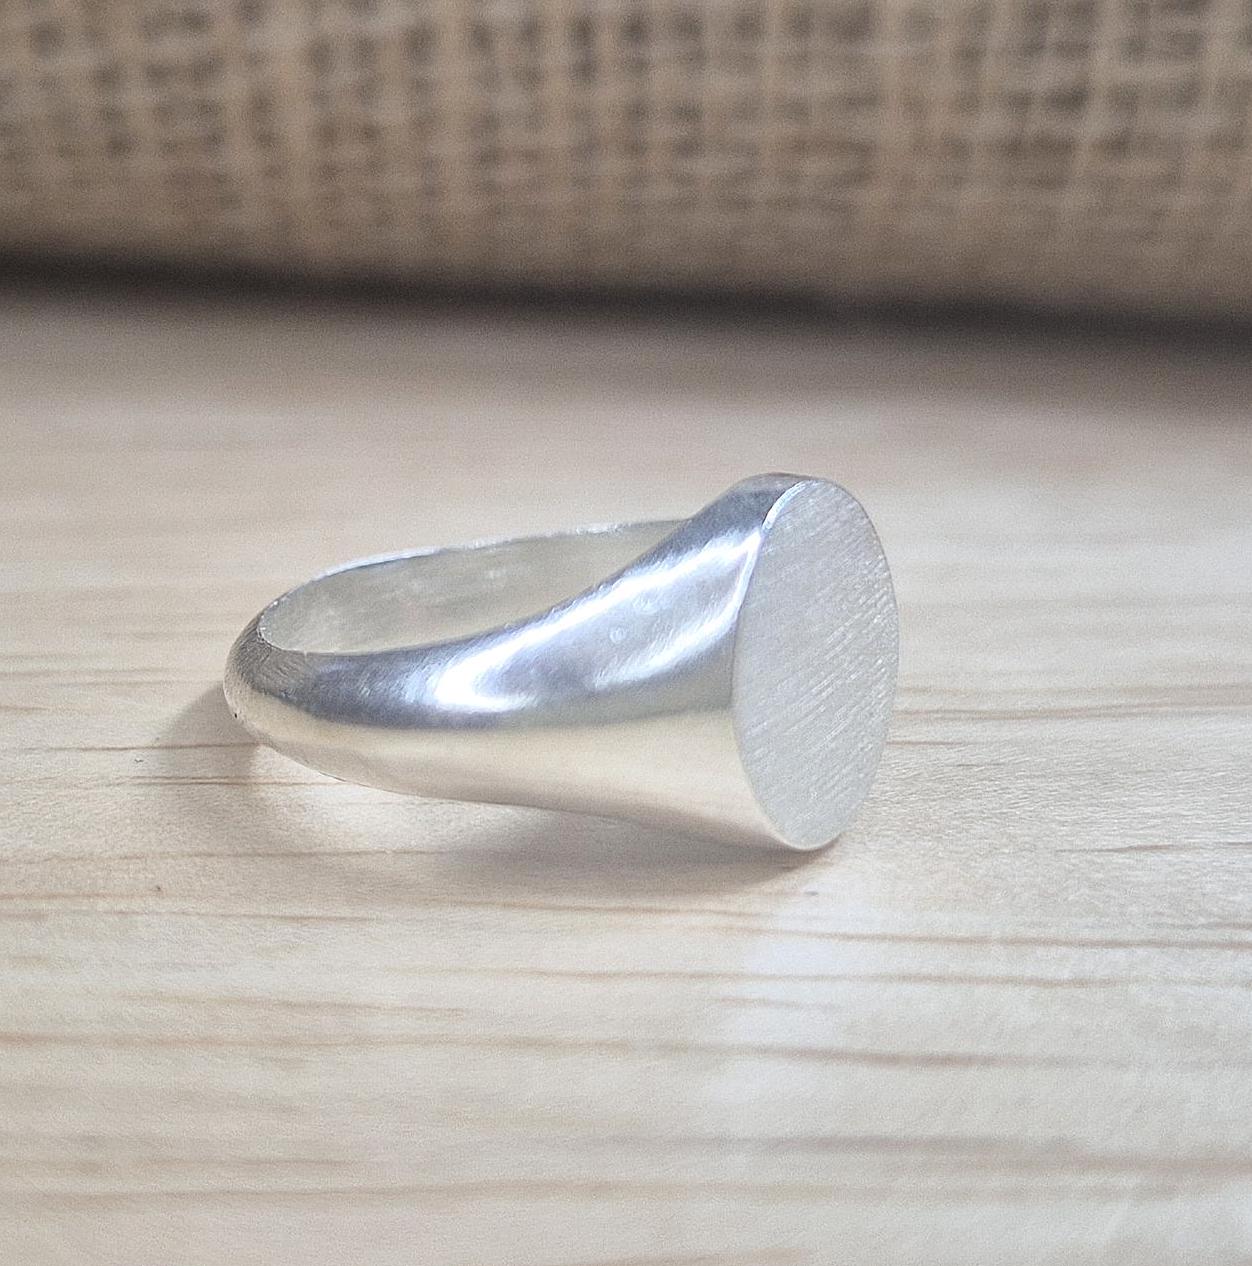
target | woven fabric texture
x=1072, y=152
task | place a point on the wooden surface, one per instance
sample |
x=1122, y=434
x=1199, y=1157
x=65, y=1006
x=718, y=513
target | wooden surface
x=252, y=1016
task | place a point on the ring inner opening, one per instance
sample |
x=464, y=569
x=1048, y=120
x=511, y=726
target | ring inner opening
x=451, y=593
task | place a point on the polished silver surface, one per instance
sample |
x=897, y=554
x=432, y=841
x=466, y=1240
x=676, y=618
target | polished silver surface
x=730, y=674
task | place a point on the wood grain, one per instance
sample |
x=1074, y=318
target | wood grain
x=250, y=1015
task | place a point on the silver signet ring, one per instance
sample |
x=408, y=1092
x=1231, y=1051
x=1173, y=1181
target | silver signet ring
x=730, y=674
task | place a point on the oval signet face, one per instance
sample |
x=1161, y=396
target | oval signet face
x=815, y=663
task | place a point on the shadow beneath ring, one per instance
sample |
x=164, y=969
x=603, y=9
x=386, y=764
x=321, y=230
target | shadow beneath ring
x=385, y=847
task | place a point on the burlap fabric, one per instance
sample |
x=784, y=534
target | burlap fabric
x=1074, y=152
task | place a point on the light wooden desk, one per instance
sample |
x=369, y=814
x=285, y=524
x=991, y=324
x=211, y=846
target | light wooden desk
x=251, y=1016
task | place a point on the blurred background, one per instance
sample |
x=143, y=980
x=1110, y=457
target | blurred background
x=1046, y=153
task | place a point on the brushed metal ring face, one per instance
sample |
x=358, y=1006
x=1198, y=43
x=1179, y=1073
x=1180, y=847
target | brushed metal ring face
x=730, y=674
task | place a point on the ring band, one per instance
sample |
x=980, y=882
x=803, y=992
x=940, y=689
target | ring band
x=730, y=674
